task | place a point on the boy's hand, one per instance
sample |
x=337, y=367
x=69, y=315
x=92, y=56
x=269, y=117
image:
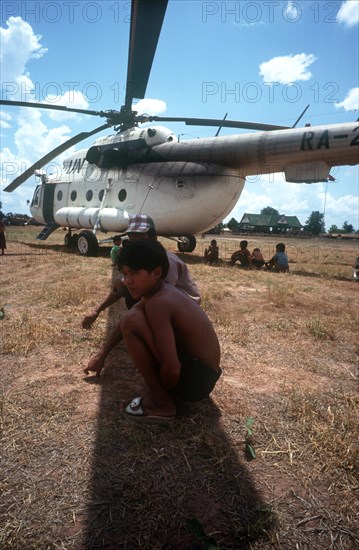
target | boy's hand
x=89, y=320
x=96, y=364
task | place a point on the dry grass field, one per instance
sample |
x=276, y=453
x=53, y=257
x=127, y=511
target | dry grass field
x=75, y=475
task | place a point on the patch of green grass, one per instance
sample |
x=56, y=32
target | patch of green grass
x=321, y=329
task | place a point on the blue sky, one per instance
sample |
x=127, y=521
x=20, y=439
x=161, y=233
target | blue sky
x=258, y=61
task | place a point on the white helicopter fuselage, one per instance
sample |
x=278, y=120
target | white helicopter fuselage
x=183, y=197
x=186, y=187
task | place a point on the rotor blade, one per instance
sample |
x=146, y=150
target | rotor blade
x=219, y=129
x=219, y=122
x=50, y=106
x=300, y=116
x=53, y=154
x=146, y=22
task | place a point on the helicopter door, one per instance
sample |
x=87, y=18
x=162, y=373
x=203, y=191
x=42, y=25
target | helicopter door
x=42, y=205
x=48, y=202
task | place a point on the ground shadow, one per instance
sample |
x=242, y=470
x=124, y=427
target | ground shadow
x=103, y=251
x=175, y=486
x=189, y=258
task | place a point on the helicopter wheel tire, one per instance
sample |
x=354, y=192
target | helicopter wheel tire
x=74, y=240
x=187, y=244
x=87, y=243
x=71, y=240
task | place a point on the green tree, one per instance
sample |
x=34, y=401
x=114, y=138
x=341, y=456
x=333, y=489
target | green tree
x=2, y=215
x=269, y=211
x=334, y=229
x=315, y=223
x=348, y=227
x=216, y=230
x=232, y=224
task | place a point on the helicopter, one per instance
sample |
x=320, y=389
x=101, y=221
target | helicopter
x=186, y=186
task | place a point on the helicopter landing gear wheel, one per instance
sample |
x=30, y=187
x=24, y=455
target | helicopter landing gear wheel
x=74, y=240
x=87, y=244
x=71, y=240
x=187, y=243
x=67, y=239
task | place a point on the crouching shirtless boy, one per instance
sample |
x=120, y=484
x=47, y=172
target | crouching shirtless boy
x=169, y=337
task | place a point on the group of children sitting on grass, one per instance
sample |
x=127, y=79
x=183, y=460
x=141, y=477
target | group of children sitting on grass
x=279, y=262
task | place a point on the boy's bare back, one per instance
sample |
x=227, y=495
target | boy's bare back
x=178, y=323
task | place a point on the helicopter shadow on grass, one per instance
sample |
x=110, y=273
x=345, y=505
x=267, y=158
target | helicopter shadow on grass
x=172, y=486
x=103, y=251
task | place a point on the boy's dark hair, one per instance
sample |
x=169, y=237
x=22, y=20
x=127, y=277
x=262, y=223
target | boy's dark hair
x=144, y=254
x=243, y=244
x=151, y=233
x=117, y=238
x=280, y=247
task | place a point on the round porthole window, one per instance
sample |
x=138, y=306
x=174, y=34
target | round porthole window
x=60, y=195
x=73, y=195
x=122, y=195
x=89, y=195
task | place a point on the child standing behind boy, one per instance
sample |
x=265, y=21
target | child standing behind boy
x=115, y=249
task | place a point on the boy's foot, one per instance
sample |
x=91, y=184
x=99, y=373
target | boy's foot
x=135, y=412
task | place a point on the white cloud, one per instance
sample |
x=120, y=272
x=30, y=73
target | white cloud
x=341, y=209
x=351, y=102
x=348, y=13
x=34, y=139
x=287, y=68
x=73, y=99
x=150, y=106
x=19, y=44
x=5, y=120
x=342, y=206
x=31, y=137
x=291, y=10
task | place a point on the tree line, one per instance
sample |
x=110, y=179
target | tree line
x=12, y=218
x=313, y=226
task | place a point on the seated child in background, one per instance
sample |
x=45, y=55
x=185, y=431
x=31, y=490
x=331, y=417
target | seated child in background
x=211, y=253
x=243, y=255
x=279, y=262
x=169, y=337
x=115, y=249
x=257, y=258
